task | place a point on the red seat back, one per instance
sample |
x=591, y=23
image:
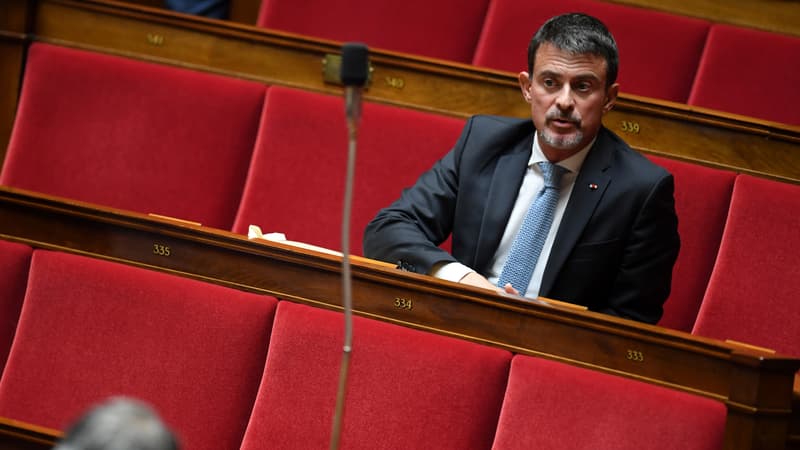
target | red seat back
x=296, y=181
x=14, y=262
x=90, y=329
x=702, y=197
x=555, y=405
x=406, y=388
x=446, y=29
x=752, y=293
x=659, y=52
x=732, y=74
x=133, y=135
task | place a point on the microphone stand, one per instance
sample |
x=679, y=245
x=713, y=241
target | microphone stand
x=353, y=113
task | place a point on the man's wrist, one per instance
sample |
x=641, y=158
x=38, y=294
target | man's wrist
x=450, y=271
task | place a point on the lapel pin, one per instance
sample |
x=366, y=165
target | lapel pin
x=592, y=186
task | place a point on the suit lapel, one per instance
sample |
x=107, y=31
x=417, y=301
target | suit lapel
x=590, y=185
x=503, y=191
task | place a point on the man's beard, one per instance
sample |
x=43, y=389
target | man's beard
x=561, y=141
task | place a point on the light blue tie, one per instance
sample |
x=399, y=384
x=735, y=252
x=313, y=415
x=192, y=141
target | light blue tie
x=528, y=243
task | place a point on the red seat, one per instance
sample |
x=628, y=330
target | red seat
x=702, y=197
x=732, y=76
x=446, y=29
x=752, y=293
x=659, y=52
x=14, y=261
x=133, y=135
x=296, y=181
x=552, y=405
x=407, y=388
x=91, y=329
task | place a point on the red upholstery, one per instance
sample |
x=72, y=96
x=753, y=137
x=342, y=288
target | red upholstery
x=133, y=135
x=446, y=29
x=296, y=180
x=14, y=262
x=407, y=388
x=90, y=329
x=752, y=293
x=552, y=405
x=659, y=52
x=702, y=196
x=732, y=74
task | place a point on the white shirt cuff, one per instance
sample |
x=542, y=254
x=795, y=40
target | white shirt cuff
x=451, y=271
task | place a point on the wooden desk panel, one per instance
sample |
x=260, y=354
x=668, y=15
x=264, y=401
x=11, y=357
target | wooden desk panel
x=15, y=435
x=756, y=386
x=658, y=127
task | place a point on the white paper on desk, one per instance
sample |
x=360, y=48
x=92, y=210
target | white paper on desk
x=254, y=232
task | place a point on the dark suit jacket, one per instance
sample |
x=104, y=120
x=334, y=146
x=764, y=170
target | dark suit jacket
x=618, y=238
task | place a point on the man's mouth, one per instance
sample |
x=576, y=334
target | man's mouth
x=563, y=123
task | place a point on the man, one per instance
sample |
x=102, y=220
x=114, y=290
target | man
x=610, y=235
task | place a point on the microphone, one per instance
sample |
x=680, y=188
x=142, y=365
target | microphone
x=353, y=73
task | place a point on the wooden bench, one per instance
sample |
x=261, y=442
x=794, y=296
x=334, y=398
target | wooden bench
x=756, y=385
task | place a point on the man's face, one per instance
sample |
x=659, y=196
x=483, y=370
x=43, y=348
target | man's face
x=568, y=98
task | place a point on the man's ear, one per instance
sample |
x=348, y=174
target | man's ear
x=611, y=97
x=525, y=85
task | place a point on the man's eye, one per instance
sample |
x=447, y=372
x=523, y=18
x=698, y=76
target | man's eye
x=583, y=87
x=549, y=82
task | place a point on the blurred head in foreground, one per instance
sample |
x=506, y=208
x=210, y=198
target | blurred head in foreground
x=119, y=424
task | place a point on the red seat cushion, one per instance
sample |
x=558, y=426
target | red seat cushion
x=752, y=293
x=133, y=135
x=732, y=76
x=296, y=182
x=702, y=197
x=659, y=52
x=406, y=388
x=446, y=29
x=14, y=261
x=90, y=329
x=555, y=405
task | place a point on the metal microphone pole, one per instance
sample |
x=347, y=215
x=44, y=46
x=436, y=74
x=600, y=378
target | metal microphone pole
x=354, y=71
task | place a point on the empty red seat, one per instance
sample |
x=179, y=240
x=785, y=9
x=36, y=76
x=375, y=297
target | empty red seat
x=446, y=29
x=702, y=197
x=733, y=75
x=407, y=388
x=296, y=181
x=659, y=52
x=752, y=293
x=133, y=135
x=14, y=262
x=91, y=329
x=551, y=405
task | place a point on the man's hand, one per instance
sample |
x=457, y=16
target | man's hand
x=478, y=280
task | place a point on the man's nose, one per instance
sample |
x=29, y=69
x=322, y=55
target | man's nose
x=564, y=100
